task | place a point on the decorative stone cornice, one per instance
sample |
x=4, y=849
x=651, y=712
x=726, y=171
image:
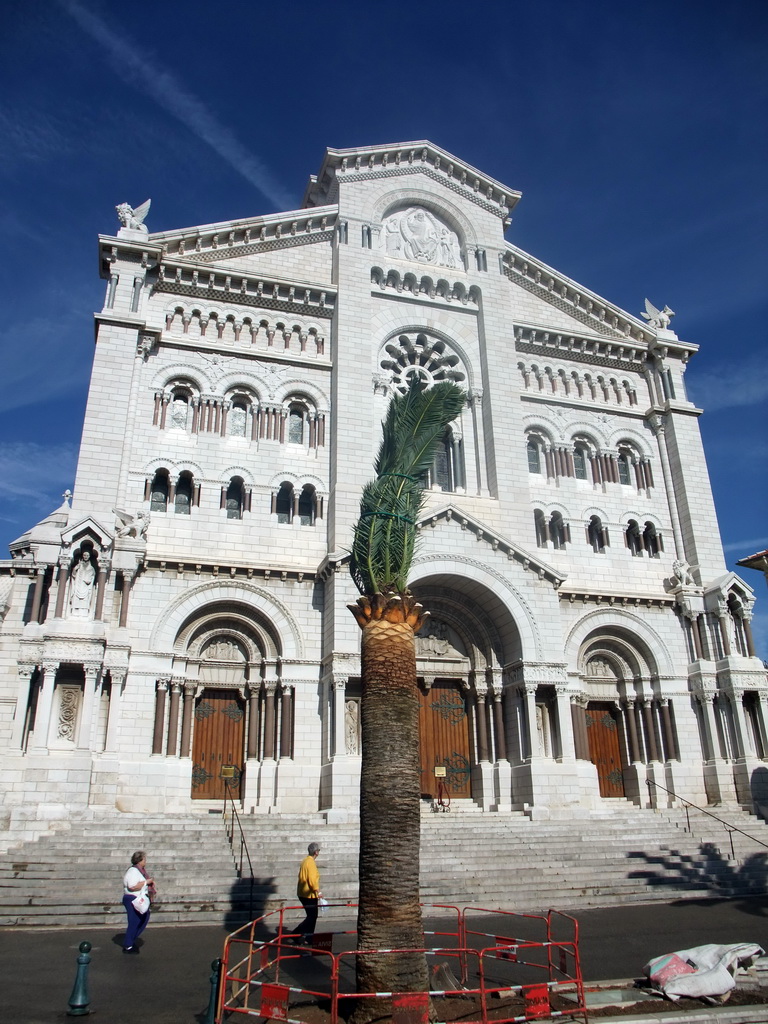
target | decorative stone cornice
x=228, y=571
x=580, y=348
x=177, y=277
x=572, y=594
x=571, y=298
x=234, y=239
x=409, y=158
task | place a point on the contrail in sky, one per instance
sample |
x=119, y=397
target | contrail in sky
x=169, y=94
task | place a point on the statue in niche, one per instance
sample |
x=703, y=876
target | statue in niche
x=132, y=526
x=81, y=587
x=657, y=318
x=418, y=235
x=134, y=219
x=350, y=725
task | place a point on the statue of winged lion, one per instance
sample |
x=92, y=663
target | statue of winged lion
x=133, y=219
x=657, y=318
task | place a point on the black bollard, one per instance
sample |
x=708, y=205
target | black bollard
x=80, y=1001
x=210, y=1017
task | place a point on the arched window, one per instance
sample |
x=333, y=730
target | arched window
x=447, y=471
x=597, y=535
x=307, y=505
x=297, y=416
x=540, y=523
x=558, y=531
x=237, y=418
x=182, y=500
x=179, y=412
x=234, y=501
x=158, y=495
x=634, y=537
x=534, y=450
x=284, y=503
x=580, y=458
x=651, y=540
x=624, y=462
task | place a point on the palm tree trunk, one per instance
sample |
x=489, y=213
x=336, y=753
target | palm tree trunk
x=389, y=915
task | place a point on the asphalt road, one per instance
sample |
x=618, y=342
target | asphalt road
x=168, y=983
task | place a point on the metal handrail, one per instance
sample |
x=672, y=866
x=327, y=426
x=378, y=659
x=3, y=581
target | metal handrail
x=730, y=829
x=230, y=830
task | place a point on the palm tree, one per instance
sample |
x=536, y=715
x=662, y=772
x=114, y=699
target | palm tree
x=389, y=914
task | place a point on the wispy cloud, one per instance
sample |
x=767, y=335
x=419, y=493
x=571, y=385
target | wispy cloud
x=743, y=382
x=748, y=547
x=129, y=63
x=36, y=474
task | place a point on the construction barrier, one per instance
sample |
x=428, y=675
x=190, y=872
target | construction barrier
x=529, y=971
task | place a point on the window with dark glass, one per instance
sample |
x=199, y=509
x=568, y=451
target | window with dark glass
x=580, y=462
x=624, y=471
x=307, y=505
x=296, y=425
x=235, y=498
x=596, y=535
x=158, y=500
x=651, y=540
x=540, y=523
x=284, y=503
x=557, y=531
x=634, y=538
x=534, y=456
x=182, y=501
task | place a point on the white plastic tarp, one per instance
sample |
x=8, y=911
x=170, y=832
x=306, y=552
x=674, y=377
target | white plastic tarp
x=701, y=972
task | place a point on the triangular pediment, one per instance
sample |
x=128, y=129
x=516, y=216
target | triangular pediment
x=87, y=529
x=453, y=516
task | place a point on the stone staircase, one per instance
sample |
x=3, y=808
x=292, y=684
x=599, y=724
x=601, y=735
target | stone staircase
x=72, y=877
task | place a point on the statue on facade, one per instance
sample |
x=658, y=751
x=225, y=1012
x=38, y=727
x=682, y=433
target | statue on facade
x=681, y=570
x=134, y=219
x=132, y=525
x=659, y=319
x=81, y=587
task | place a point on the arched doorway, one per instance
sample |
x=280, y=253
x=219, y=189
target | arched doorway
x=219, y=745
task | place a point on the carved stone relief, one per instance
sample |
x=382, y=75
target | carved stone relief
x=69, y=706
x=418, y=235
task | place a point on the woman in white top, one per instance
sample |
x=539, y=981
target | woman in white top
x=136, y=882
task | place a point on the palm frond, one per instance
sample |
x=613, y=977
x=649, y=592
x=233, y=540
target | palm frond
x=385, y=533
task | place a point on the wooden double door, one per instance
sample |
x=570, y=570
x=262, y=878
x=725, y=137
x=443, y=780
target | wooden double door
x=605, y=747
x=218, y=745
x=444, y=739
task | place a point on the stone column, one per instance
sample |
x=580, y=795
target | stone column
x=740, y=724
x=86, y=711
x=481, y=694
x=762, y=720
x=693, y=624
x=117, y=678
x=252, y=748
x=270, y=687
x=577, y=723
x=286, y=721
x=173, y=719
x=707, y=701
x=564, y=724
x=475, y=403
x=339, y=707
x=37, y=596
x=23, y=697
x=44, y=705
x=658, y=426
x=746, y=621
x=161, y=689
x=669, y=732
x=125, y=598
x=498, y=725
x=722, y=618
x=650, y=732
x=529, y=700
x=186, y=719
x=101, y=586
x=62, y=591
x=634, y=746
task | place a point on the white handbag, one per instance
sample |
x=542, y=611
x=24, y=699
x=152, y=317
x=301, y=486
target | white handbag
x=141, y=903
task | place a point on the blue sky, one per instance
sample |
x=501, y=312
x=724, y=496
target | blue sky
x=636, y=132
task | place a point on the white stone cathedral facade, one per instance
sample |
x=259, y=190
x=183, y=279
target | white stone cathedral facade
x=180, y=628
